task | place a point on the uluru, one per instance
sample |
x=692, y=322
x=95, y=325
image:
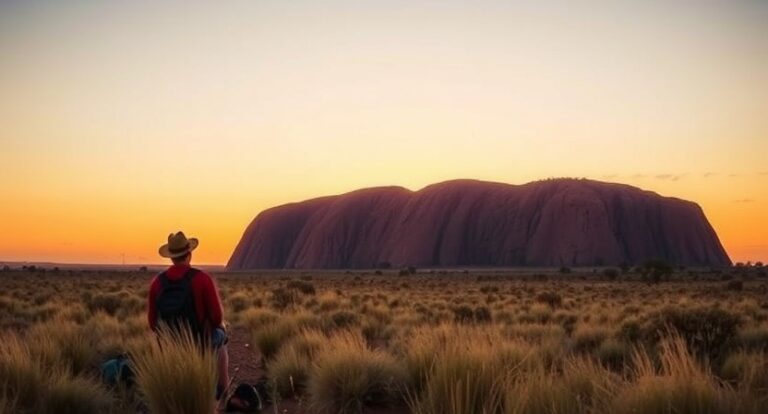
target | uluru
x=554, y=222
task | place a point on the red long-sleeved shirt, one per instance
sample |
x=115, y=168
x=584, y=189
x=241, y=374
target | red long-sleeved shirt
x=207, y=303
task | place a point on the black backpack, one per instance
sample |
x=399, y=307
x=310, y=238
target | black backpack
x=176, y=304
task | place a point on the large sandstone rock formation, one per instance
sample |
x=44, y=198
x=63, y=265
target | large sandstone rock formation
x=563, y=222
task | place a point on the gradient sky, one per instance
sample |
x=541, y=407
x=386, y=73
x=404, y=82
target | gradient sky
x=123, y=121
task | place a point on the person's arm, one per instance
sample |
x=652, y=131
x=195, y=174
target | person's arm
x=213, y=303
x=151, y=305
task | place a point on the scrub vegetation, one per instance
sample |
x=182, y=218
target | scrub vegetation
x=419, y=341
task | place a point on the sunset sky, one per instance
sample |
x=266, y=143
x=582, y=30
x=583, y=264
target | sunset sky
x=123, y=121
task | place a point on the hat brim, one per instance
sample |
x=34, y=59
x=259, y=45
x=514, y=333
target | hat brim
x=166, y=252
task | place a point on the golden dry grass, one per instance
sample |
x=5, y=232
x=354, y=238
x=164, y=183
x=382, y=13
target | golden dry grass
x=488, y=341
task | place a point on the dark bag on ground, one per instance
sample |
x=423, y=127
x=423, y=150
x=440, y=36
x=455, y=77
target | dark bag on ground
x=117, y=371
x=245, y=399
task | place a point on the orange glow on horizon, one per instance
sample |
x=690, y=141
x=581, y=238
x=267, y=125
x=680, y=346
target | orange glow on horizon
x=123, y=122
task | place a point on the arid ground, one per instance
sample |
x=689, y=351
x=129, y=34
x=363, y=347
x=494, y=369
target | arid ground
x=404, y=341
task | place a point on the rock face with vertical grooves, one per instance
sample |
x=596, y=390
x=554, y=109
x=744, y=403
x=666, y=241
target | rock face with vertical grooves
x=560, y=222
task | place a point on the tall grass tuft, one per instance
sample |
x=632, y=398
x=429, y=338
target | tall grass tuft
x=21, y=377
x=290, y=368
x=175, y=375
x=347, y=376
x=69, y=394
x=461, y=369
x=583, y=386
x=271, y=336
x=681, y=386
x=461, y=383
x=749, y=370
x=63, y=344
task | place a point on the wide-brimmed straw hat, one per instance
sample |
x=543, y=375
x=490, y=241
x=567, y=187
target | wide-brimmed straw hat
x=178, y=245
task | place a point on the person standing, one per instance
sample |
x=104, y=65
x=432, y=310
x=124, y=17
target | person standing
x=183, y=296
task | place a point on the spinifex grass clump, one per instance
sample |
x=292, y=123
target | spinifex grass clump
x=581, y=386
x=681, y=386
x=348, y=376
x=290, y=368
x=37, y=383
x=74, y=394
x=176, y=376
x=461, y=369
x=21, y=376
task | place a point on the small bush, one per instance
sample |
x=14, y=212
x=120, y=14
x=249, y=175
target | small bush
x=587, y=338
x=552, y=299
x=461, y=369
x=630, y=331
x=682, y=385
x=735, y=285
x=67, y=394
x=749, y=370
x=306, y=288
x=348, y=376
x=708, y=331
x=175, y=376
x=611, y=274
x=582, y=387
x=463, y=314
x=238, y=302
x=289, y=370
x=105, y=302
x=270, y=337
x=283, y=298
x=344, y=319
x=482, y=314
x=754, y=339
x=613, y=354
x=21, y=376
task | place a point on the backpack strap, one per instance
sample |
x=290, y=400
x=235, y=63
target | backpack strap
x=163, y=278
x=191, y=273
x=188, y=276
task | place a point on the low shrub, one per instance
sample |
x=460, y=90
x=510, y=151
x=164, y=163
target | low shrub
x=306, y=288
x=175, y=376
x=587, y=338
x=289, y=370
x=613, y=354
x=347, y=376
x=735, y=285
x=21, y=376
x=463, y=314
x=283, y=298
x=105, y=302
x=611, y=273
x=462, y=381
x=66, y=394
x=343, y=319
x=269, y=337
x=708, y=331
x=748, y=370
x=755, y=338
x=630, y=330
x=460, y=369
x=482, y=314
x=552, y=299
x=583, y=386
x=682, y=385
x=238, y=302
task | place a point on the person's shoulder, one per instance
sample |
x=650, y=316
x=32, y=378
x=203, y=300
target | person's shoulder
x=155, y=282
x=201, y=276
